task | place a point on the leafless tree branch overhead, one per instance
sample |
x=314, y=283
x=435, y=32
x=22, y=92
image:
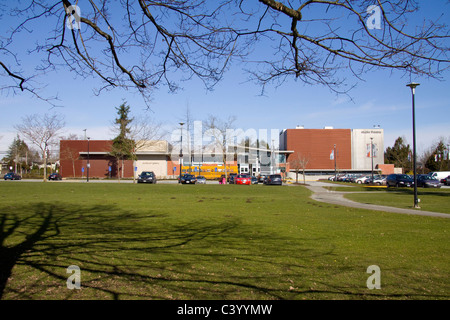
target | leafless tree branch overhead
x=145, y=44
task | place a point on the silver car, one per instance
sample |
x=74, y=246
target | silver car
x=201, y=180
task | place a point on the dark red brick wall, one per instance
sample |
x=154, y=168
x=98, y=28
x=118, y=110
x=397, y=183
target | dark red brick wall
x=386, y=168
x=317, y=144
x=99, y=164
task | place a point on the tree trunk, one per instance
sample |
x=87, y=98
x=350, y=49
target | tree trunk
x=134, y=172
x=225, y=166
x=45, y=167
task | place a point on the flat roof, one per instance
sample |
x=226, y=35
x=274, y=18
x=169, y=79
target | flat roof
x=163, y=153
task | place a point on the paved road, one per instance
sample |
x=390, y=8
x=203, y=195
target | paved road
x=335, y=197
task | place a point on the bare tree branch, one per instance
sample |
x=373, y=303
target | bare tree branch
x=144, y=44
x=42, y=131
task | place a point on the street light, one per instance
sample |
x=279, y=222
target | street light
x=335, y=156
x=88, y=164
x=413, y=86
x=448, y=156
x=272, y=158
x=371, y=155
x=181, y=151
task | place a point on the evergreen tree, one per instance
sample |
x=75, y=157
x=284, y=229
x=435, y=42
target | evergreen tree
x=122, y=147
x=400, y=155
x=17, y=154
x=436, y=161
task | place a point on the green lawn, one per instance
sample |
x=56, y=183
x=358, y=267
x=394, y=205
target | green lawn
x=436, y=200
x=210, y=242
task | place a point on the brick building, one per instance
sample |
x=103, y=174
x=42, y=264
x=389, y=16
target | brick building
x=318, y=145
x=347, y=150
x=75, y=155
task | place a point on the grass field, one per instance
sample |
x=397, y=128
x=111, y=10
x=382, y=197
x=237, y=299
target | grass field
x=436, y=200
x=210, y=242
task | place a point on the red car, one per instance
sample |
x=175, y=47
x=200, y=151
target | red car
x=446, y=181
x=243, y=179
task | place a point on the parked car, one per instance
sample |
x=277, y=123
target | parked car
x=440, y=175
x=54, y=176
x=446, y=181
x=274, y=179
x=201, y=180
x=399, y=180
x=254, y=180
x=243, y=179
x=262, y=177
x=345, y=178
x=147, y=177
x=231, y=177
x=188, y=179
x=362, y=179
x=12, y=176
x=380, y=180
x=377, y=179
x=335, y=177
x=426, y=181
x=353, y=178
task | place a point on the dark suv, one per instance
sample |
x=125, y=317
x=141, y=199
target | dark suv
x=188, y=179
x=274, y=179
x=12, y=176
x=399, y=180
x=54, y=176
x=147, y=177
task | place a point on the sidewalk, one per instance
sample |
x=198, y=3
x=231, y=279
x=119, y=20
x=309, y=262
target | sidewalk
x=335, y=197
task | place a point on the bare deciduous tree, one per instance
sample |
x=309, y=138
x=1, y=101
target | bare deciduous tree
x=143, y=44
x=300, y=162
x=220, y=139
x=145, y=133
x=42, y=131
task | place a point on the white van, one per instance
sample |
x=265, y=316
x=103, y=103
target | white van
x=439, y=175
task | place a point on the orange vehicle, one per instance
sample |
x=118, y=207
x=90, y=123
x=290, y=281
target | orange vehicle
x=210, y=172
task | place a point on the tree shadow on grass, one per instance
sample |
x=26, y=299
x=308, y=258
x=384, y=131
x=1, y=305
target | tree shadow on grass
x=148, y=255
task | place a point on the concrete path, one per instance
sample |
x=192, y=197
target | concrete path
x=335, y=197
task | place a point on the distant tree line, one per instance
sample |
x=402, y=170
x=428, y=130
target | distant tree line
x=435, y=158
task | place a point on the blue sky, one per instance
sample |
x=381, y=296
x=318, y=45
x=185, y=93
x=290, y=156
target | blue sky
x=381, y=99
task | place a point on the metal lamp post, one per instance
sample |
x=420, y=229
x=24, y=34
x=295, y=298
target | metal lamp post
x=272, y=159
x=413, y=86
x=181, y=151
x=335, y=156
x=371, y=155
x=88, y=165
